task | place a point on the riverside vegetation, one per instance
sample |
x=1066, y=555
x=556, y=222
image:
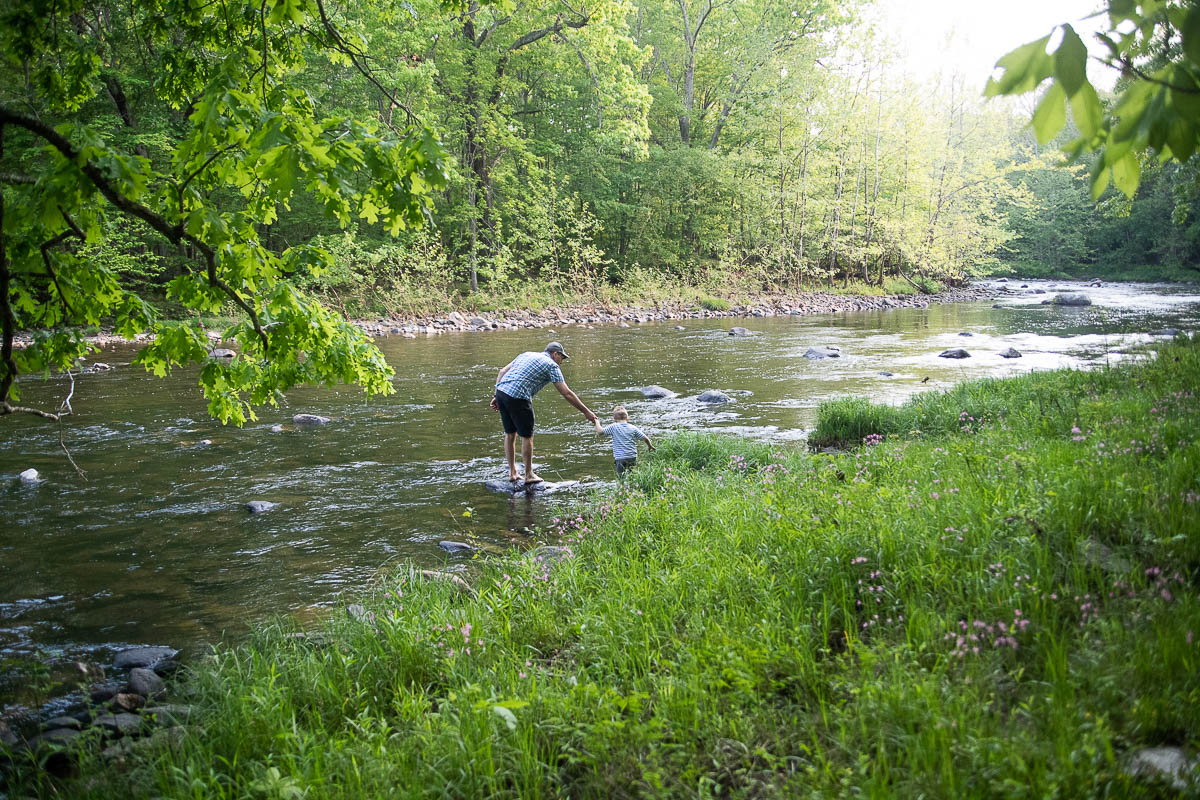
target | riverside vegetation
x=992, y=593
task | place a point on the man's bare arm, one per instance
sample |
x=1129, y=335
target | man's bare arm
x=574, y=400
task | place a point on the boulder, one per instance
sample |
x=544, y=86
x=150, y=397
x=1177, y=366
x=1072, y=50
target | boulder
x=63, y=722
x=145, y=682
x=128, y=701
x=310, y=419
x=59, y=736
x=738, y=330
x=221, y=352
x=713, y=396
x=457, y=318
x=259, y=506
x=478, y=322
x=954, y=352
x=1011, y=352
x=124, y=724
x=1168, y=764
x=656, y=392
x=143, y=657
x=813, y=354
x=30, y=477
x=456, y=547
x=1071, y=299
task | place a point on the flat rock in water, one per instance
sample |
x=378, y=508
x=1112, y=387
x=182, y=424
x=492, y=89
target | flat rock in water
x=143, y=657
x=656, y=392
x=954, y=352
x=259, y=506
x=310, y=419
x=146, y=682
x=713, y=396
x=521, y=488
x=1172, y=332
x=738, y=330
x=456, y=547
x=1011, y=352
x=30, y=477
x=813, y=354
x=1075, y=299
x=221, y=352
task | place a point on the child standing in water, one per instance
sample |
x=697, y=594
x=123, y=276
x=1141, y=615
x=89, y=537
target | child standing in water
x=624, y=439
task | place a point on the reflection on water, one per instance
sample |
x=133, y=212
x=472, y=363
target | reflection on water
x=155, y=547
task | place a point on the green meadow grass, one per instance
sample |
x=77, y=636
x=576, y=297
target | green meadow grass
x=999, y=596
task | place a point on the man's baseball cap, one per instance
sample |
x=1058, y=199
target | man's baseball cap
x=555, y=347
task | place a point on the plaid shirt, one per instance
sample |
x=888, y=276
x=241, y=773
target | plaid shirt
x=528, y=374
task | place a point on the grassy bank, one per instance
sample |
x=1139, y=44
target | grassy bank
x=995, y=596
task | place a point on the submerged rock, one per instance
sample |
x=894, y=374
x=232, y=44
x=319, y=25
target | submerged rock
x=656, y=392
x=738, y=330
x=1072, y=299
x=143, y=657
x=259, y=506
x=30, y=477
x=456, y=547
x=713, y=396
x=965, y=333
x=1011, y=352
x=954, y=352
x=310, y=419
x=813, y=354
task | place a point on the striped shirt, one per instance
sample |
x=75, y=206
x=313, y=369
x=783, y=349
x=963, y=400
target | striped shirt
x=528, y=374
x=625, y=438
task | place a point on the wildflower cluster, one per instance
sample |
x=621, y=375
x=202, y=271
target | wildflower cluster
x=872, y=439
x=971, y=638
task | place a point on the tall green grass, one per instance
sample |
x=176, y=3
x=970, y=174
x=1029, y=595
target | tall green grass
x=999, y=599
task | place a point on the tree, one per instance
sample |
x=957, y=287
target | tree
x=238, y=141
x=1155, y=46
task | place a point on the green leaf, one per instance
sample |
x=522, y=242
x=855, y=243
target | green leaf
x=510, y=719
x=1126, y=173
x=1024, y=68
x=1087, y=111
x=1070, y=61
x=1050, y=115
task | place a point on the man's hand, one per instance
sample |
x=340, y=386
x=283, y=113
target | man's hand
x=493, y=404
x=589, y=416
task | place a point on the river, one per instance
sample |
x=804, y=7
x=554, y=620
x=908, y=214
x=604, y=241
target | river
x=156, y=547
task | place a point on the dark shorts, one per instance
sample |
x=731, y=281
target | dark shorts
x=516, y=414
x=623, y=464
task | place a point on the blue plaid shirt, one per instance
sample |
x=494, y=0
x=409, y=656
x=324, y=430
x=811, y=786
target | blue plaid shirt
x=529, y=373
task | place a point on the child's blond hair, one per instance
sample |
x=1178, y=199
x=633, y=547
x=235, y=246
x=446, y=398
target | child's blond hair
x=619, y=413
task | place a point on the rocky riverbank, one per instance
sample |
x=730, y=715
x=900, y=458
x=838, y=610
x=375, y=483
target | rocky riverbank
x=606, y=314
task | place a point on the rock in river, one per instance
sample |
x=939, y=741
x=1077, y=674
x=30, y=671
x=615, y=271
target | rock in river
x=657, y=392
x=221, y=352
x=143, y=657
x=713, y=396
x=954, y=352
x=1011, y=352
x=813, y=354
x=456, y=547
x=30, y=477
x=259, y=506
x=310, y=419
x=521, y=488
x=738, y=330
x=1075, y=299
x=145, y=682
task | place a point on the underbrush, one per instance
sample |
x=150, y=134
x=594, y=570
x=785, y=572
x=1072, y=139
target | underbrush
x=996, y=596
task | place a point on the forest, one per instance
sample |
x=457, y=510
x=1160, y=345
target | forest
x=745, y=146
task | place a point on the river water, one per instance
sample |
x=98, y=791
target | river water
x=155, y=547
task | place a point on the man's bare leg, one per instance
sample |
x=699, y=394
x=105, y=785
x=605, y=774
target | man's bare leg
x=527, y=454
x=510, y=453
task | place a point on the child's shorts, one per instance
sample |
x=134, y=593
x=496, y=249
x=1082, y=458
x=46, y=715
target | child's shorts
x=623, y=464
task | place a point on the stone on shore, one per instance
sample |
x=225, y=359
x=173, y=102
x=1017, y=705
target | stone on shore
x=310, y=419
x=656, y=392
x=63, y=722
x=124, y=724
x=713, y=396
x=954, y=352
x=259, y=506
x=738, y=330
x=145, y=682
x=128, y=701
x=1168, y=764
x=29, y=477
x=143, y=657
x=1011, y=352
x=1071, y=299
x=60, y=736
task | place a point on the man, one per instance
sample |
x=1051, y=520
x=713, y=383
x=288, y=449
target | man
x=516, y=384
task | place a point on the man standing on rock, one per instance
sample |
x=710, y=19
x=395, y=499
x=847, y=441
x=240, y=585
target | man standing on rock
x=516, y=384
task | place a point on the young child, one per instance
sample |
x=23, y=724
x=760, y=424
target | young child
x=624, y=438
